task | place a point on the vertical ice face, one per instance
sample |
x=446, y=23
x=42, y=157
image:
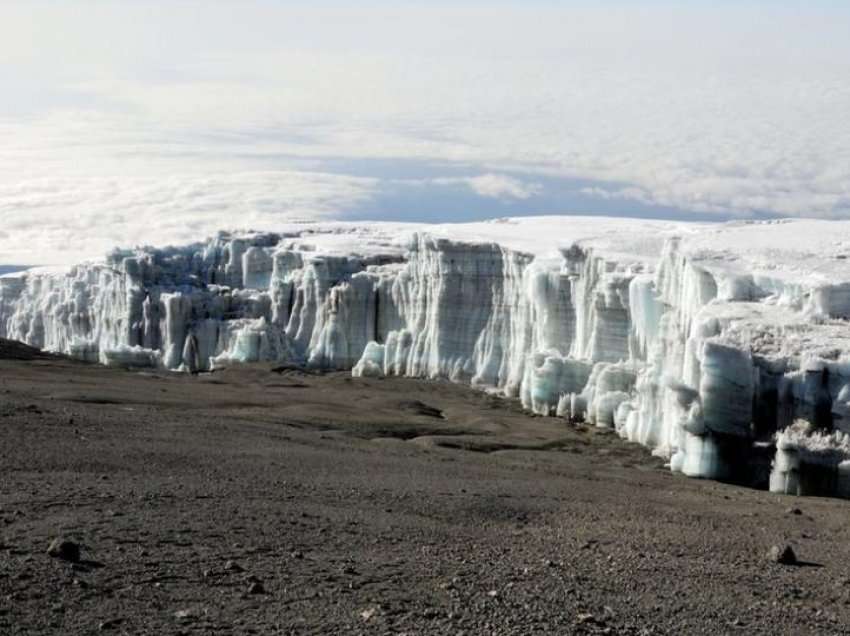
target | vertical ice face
x=726, y=388
x=832, y=300
x=808, y=462
x=459, y=306
x=684, y=351
x=550, y=380
x=645, y=311
x=174, y=327
x=346, y=324
x=257, y=266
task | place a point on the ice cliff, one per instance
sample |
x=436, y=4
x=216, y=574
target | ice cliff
x=723, y=348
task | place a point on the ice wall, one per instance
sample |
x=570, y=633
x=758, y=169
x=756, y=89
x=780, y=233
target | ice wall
x=685, y=352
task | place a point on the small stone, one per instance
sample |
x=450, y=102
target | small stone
x=297, y=555
x=783, y=555
x=793, y=510
x=65, y=550
x=112, y=623
x=493, y=593
x=184, y=615
x=585, y=618
x=368, y=613
x=233, y=566
x=256, y=587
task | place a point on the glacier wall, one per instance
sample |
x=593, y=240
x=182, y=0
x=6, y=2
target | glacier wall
x=728, y=374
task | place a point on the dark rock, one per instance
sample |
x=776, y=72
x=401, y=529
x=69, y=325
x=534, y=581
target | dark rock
x=65, y=550
x=793, y=511
x=783, y=555
x=112, y=623
x=256, y=587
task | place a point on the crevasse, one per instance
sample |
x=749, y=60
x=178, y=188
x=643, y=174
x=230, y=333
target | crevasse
x=728, y=374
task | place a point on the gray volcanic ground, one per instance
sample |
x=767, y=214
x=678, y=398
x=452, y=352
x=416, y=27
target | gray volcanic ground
x=263, y=500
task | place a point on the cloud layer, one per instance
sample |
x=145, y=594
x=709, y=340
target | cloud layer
x=119, y=126
x=55, y=221
x=494, y=186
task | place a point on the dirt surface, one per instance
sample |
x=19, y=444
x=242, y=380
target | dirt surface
x=273, y=501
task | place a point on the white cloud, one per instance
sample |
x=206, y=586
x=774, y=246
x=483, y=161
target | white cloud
x=728, y=110
x=499, y=186
x=57, y=221
x=494, y=186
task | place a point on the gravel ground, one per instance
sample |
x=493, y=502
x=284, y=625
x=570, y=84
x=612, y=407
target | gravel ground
x=266, y=500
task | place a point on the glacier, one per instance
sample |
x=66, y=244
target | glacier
x=724, y=348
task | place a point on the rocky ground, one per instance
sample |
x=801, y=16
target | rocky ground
x=272, y=501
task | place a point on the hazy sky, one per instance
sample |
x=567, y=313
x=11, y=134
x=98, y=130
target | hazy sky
x=125, y=122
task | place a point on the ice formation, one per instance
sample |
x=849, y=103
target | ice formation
x=810, y=462
x=707, y=343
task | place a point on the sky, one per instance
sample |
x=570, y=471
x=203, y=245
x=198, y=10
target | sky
x=126, y=123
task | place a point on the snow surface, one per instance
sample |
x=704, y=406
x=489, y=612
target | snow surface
x=703, y=342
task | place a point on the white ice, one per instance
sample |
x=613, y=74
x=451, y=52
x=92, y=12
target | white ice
x=695, y=340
